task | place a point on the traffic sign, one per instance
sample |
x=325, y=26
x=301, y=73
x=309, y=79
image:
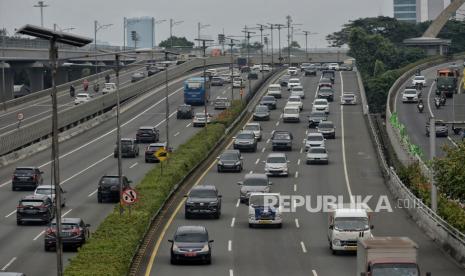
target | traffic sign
x=20, y=116
x=161, y=154
x=129, y=196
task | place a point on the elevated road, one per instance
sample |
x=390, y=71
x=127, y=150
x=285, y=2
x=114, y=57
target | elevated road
x=301, y=246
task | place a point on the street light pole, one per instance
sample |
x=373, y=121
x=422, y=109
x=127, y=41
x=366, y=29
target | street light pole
x=432, y=145
x=167, y=110
x=205, y=78
x=118, y=135
x=232, y=69
x=272, y=56
x=41, y=5
x=97, y=27
x=200, y=26
x=279, y=41
x=261, y=52
x=172, y=24
x=3, y=69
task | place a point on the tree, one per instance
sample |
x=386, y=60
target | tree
x=449, y=172
x=177, y=42
x=295, y=44
x=379, y=68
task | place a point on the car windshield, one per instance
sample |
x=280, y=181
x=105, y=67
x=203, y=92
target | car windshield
x=294, y=99
x=200, y=116
x=317, y=114
x=326, y=89
x=351, y=223
x=184, y=108
x=315, y=138
x=252, y=127
x=419, y=78
x=298, y=89
x=317, y=102
x=268, y=98
x=317, y=150
x=261, y=109
x=410, y=92
x=145, y=130
x=272, y=88
x=264, y=200
x=229, y=157
x=221, y=100
x=194, y=85
x=24, y=171
x=217, y=79
x=109, y=181
x=348, y=96
x=325, y=125
x=281, y=136
x=29, y=202
x=255, y=182
x=245, y=136
x=202, y=193
x=154, y=148
x=126, y=142
x=276, y=159
x=395, y=269
x=191, y=237
x=291, y=111
x=45, y=191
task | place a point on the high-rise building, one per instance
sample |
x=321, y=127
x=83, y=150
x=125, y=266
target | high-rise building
x=140, y=32
x=405, y=10
x=422, y=10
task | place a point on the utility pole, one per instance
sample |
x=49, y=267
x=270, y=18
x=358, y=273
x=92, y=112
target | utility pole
x=261, y=52
x=279, y=26
x=432, y=148
x=247, y=37
x=41, y=5
x=272, y=57
x=289, y=22
x=124, y=33
x=118, y=135
x=231, y=44
x=205, y=79
x=172, y=24
x=98, y=27
x=3, y=69
x=200, y=26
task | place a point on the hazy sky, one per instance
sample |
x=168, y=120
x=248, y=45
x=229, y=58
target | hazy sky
x=321, y=16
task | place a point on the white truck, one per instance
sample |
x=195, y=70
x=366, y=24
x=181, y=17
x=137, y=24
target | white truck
x=265, y=209
x=394, y=256
x=109, y=87
x=346, y=224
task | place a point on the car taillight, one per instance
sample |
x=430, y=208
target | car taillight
x=76, y=231
x=34, y=177
x=15, y=177
x=43, y=208
x=50, y=231
x=19, y=207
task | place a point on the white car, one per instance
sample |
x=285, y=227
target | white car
x=292, y=71
x=317, y=155
x=212, y=72
x=276, y=164
x=238, y=83
x=295, y=100
x=320, y=105
x=82, y=98
x=265, y=209
x=419, y=80
x=226, y=78
x=109, y=87
x=291, y=114
x=348, y=98
x=314, y=139
x=274, y=90
x=265, y=68
x=49, y=190
x=298, y=90
x=410, y=95
x=256, y=67
x=255, y=128
x=333, y=66
x=199, y=119
x=293, y=82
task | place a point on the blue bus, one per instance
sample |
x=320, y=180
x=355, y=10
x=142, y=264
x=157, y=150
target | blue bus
x=196, y=91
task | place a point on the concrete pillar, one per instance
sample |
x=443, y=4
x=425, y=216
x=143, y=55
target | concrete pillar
x=9, y=81
x=36, y=76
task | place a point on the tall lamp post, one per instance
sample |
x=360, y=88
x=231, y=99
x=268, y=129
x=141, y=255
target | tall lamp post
x=3, y=33
x=231, y=44
x=172, y=24
x=279, y=26
x=69, y=39
x=41, y=5
x=201, y=26
x=204, y=46
x=98, y=27
x=307, y=33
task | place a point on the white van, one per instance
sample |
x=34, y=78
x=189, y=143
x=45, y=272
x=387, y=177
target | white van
x=275, y=91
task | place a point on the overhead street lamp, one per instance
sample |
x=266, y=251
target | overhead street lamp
x=3, y=33
x=205, y=76
x=41, y=5
x=231, y=44
x=307, y=33
x=69, y=39
x=201, y=26
x=172, y=24
x=157, y=22
x=98, y=27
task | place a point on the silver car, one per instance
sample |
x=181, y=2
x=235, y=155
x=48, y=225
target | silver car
x=49, y=190
x=276, y=164
x=199, y=119
x=314, y=139
x=222, y=103
x=255, y=128
x=253, y=182
x=317, y=155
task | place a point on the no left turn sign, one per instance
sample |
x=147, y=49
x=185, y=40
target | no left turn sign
x=129, y=196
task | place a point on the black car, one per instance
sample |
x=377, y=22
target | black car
x=147, y=134
x=316, y=117
x=325, y=92
x=191, y=243
x=269, y=101
x=281, y=140
x=152, y=71
x=217, y=81
x=441, y=128
x=261, y=113
x=26, y=178
x=35, y=208
x=151, y=150
x=310, y=71
x=74, y=233
x=230, y=160
x=203, y=200
x=252, y=75
x=129, y=148
x=245, y=69
x=245, y=140
x=283, y=81
x=109, y=188
x=185, y=111
x=327, y=129
x=330, y=74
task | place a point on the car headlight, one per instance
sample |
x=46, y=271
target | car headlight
x=220, y=162
x=213, y=203
x=238, y=163
x=243, y=193
x=175, y=247
x=205, y=248
x=337, y=242
x=251, y=216
x=190, y=203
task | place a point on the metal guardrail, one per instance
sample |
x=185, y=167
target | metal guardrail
x=38, y=130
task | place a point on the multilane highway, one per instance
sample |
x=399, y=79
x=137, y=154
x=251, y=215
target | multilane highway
x=83, y=160
x=301, y=246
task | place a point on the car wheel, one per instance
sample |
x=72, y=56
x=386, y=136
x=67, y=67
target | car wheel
x=251, y=225
x=208, y=260
x=240, y=168
x=173, y=261
x=279, y=225
x=19, y=222
x=187, y=216
x=217, y=215
x=13, y=188
x=46, y=248
x=99, y=199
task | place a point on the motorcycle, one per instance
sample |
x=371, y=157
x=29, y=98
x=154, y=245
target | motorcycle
x=437, y=102
x=96, y=87
x=71, y=91
x=443, y=100
x=107, y=78
x=420, y=107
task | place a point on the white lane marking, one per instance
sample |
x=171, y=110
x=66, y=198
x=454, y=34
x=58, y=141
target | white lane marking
x=268, y=141
x=89, y=167
x=189, y=124
x=346, y=174
x=223, y=92
x=263, y=149
x=93, y=193
x=258, y=160
x=429, y=100
x=314, y=272
x=301, y=150
x=238, y=203
x=176, y=134
x=10, y=214
x=277, y=123
x=304, y=249
x=231, y=272
x=38, y=236
x=295, y=187
x=6, y=183
x=303, y=141
x=452, y=141
x=297, y=223
x=298, y=162
x=67, y=212
x=233, y=221
x=229, y=245
x=133, y=165
x=296, y=175
x=306, y=131
x=8, y=264
x=251, y=172
x=162, y=121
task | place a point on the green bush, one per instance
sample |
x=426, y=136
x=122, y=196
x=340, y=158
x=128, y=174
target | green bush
x=110, y=249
